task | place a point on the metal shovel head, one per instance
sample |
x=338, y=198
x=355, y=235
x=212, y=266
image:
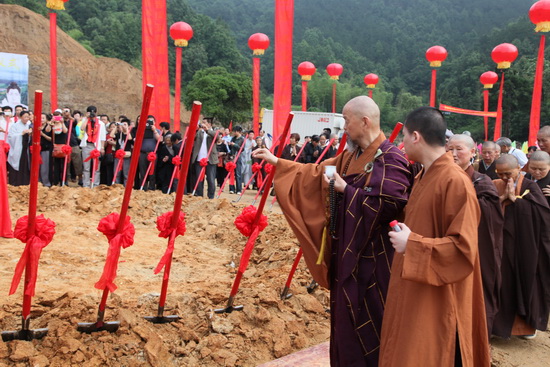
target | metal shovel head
x=22, y=334
x=285, y=295
x=229, y=309
x=162, y=319
x=92, y=327
x=313, y=285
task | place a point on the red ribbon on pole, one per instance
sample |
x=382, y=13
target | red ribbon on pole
x=204, y=162
x=151, y=163
x=164, y=225
x=44, y=231
x=498, y=123
x=534, y=121
x=117, y=239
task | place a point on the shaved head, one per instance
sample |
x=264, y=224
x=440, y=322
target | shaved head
x=540, y=156
x=544, y=131
x=508, y=161
x=467, y=140
x=543, y=138
x=489, y=145
x=362, y=106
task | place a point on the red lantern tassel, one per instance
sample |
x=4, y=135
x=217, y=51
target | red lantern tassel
x=433, y=87
x=53, y=61
x=498, y=123
x=370, y=93
x=486, y=109
x=256, y=95
x=534, y=122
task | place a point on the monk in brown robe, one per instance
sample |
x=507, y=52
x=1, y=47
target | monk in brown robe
x=435, y=314
x=525, y=291
x=489, y=154
x=539, y=171
x=368, y=191
x=489, y=231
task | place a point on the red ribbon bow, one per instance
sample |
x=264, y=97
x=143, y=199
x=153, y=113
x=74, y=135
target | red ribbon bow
x=6, y=148
x=230, y=166
x=256, y=167
x=44, y=229
x=119, y=154
x=203, y=162
x=268, y=168
x=176, y=161
x=94, y=154
x=152, y=156
x=66, y=149
x=108, y=226
x=164, y=225
x=245, y=221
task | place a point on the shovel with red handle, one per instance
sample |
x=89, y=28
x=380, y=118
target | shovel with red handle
x=113, y=254
x=166, y=260
x=30, y=274
x=249, y=247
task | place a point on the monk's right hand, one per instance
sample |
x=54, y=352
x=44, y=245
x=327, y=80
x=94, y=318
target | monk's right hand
x=265, y=154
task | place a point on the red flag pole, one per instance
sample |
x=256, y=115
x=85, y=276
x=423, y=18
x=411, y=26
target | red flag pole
x=334, y=97
x=177, y=94
x=150, y=163
x=433, y=88
x=256, y=95
x=249, y=247
x=53, y=60
x=304, y=95
x=498, y=123
x=342, y=144
x=534, y=121
x=486, y=109
x=395, y=131
x=370, y=93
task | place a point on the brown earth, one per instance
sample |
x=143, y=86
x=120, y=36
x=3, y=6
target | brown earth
x=112, y=85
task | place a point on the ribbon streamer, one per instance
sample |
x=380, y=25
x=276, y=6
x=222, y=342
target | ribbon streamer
x=164, y=223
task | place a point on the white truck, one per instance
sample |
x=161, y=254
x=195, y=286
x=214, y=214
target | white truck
x=306, y=123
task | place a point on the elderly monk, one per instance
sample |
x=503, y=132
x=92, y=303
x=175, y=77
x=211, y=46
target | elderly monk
x=539, y=167
x=487, y=164
x=543, y=139
x=435, y=314
x=489, y=232
x=525, y=291
x=369, y=190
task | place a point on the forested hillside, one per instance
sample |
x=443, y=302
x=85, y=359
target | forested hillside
x=386, y=37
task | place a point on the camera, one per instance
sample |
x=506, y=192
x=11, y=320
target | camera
x=149, y=123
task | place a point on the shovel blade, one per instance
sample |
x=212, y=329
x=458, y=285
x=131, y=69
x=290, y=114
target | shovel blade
x=92, y=327
x=229, y=309
x=162, y=319
x=27, y=335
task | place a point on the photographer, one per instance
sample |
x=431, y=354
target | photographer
x=152, y=134
x=203, y=141
x=124, y=141
x=94, y=138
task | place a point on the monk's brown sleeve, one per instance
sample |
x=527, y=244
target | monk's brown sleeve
x=448, y=259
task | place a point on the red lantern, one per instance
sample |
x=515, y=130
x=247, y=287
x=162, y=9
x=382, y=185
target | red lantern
x=436, y=55
x=258, y=43
x=306, y=69
x=540, y=15
x=504, y=55
x=335, y=70
x=56, y=4
x=488, y=78
x=371, y=80
x=181, y=32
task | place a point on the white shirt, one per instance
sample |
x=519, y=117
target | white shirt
x=102, y=134
x=522, y=158
x=203, y=152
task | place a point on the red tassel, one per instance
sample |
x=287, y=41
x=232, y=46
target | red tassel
x=534, y=122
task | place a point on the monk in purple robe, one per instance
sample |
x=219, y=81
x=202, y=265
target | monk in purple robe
x=342, y=225
x=525, y=291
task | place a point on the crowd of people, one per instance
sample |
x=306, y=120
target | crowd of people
x=114, y=140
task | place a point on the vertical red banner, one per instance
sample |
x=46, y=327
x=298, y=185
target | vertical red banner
x=53, y=60
x=486, y=109
x=284, y=25
x=433, y=87
x=498, y=123
x=155, y=56
x=304, y=95
x=534, y=121
x=256, y=95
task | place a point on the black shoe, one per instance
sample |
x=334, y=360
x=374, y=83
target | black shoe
x=272, y=192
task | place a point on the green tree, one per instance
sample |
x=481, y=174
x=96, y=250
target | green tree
x=224, y=95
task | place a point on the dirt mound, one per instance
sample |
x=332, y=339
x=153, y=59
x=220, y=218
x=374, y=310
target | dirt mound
x=205, y=264
x=114, y=86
